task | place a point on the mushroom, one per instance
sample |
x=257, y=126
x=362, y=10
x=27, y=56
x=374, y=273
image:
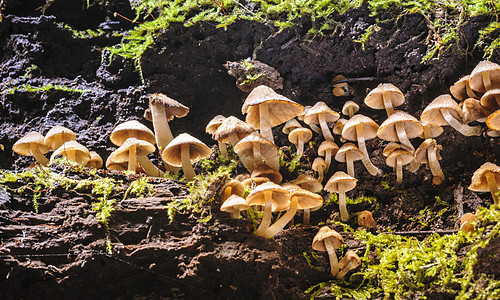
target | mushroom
x=321, y=114
x=212, y=126
x=264, y=170
x=73, y=151
x=337, y=128
x=328, y=240
x=232, y=130
x=467, y=222
x=163, y=110
x=443, y=110
x=327, y=149
x=400, y=127
x=493, y=121
x=301, y=117
x=490, y=101
x=341, y=183
x=32, y=144
x=272, y=197
x=135, y=151
x=311, y=184
x=129, y=129
x=430, y=131
x=461, y=89
x=341, y=89
x=485, y=75
x=184, y=150
x=299, y=137
x=385, y=95
x=362, y=128
x=233, y=205
x=233, y=187
x=113, y=165
x=290, y=125
x=299, y=199
x=319, y=166
x=486, y=178
x=348, y=154
x=473, y=111
x=350, y=108
x=95, y=161
x=265, y=109
x=253, y=182
x=254, y=150
x=397, y=159
x=349, y=262
x=366, y=220
x=57, y=136
x=428, y=152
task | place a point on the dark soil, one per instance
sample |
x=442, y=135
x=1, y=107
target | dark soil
x=220, y=259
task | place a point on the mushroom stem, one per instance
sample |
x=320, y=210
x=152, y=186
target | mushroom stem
x=344, y=271
x=187, y=168
x=334, y=263
x=324, y=127
x=233, y=139
x=403, y=138
x=300, y=144
x=427, y=132
x=163, y=134
x=281, y=222
x=149, y=167
x=256, y=153
x=266, y=219
x=315, y=128
x=39, y=157
x=388, y=104
x=223, y=148
x=320, y=174
x=470, y=92
x=344, y=215
x=328, y=159
x=399, y=170
x=235, y=214
x=131, y=159
x=350, y=164
x=372, y=169
x=459, y=126
x=486, y=80
x=350, y=112
x=58, y=141
x=265, y=126
x=434, y=165
x=307, y=216
x=492, y=184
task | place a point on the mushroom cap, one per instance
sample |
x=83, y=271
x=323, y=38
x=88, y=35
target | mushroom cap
x=312, y=116
x=318, y=164
x=493, y=121
x=476, y=80
x=351, y=258
x=391, y=147
x=302, y=115
x=479, y=182
x=432, y=113
x=421, y=152
x=293, y=137
x=387, y=130
x=473, y=110
x=466, y=222
x=234, y=202
x=111, y=164
x=327, y=145
x=131, y=129
x=306, y=199
x=324, y=233
x=237, y=187
x=64, y=133
x=263, y=170
x=369, y=128
x=492, y=133
x=491, y=99
x=291, y=125
x=82, y=154
x=459, y=88
x=95, y=161
x=281, y=109
x=214, y=124
x=148, y=115
x=375, y=98
x=405, y=157
x=340, y=179
x=339, y=125
x=268, y=150
x=365, y=219
x=280, y=196
x=121, y=155
x=197, y=150
x=436, y=130
x=23, y=145
x=232, y=125
x=356, y=154
x=173, y=108
x=350, y=104
x=253, y=182
x=308, y=182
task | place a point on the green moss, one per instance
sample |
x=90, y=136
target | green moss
x=46, y=88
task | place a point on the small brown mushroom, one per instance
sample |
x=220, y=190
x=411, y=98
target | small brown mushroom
x=493, y=121
x=327, y=149
x=311, y=184
x=32, y=144
x=350, y=108
x=233, y=187
x=461, y=89
x=135, y=151
x=490, y=101
x=73, y=151
x=232, y=130
x=486, y=179
x=485, y=75
x=299, y=137
x=129, y=129
x=264, y=170
x=234, y=205
x=366, y=220
x=212, y=126
x=428, y=152
x=320, y=114
x=400, y=127
x=341, y=183
x=290, y=125
x=328, y=240
x=254, y=150
x=467, y=222
x=341, y=89
x=385, y=95
x=319, y=166
x=473, y=111
x=57, y=136
x=397, y=159
x=348, y=154
x=95, y=161
x=349, y=262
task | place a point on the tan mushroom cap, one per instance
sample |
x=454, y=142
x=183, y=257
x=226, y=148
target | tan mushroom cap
x=131, y=129
x=197, y=150
x=306, y=199
x=214, y=124
x=431, y=130
x=236, y=186
x=432, y=113
x=173, y=108
x=306, y=133
x=253, y=182
x=324, y=233
x=339, y=125
x=80, y=152
x=365, y=219
x=387, y=130
x=95, y=161
x=461, y=89
x=466, y=222
x=350, y=107
x=477, y=78
x=340, y=179
x=356, y=154
x=375, y=98
x=111, y=164
x=58, y=135
x=327, y=145
x=421, y=152
x=404, y=156
x=479, y=182
x=23, y=145
x=312, y=116
x=491, y=99
x=234, y=202
x=280, y=196
x=232, y=125
x=268, y=151
x=121, y=155
x=349, y=262
x=493, y=121
x=369, y=128
x=318, y=164
x=391, y=147
x=281, y=109
x=308, y=182
x=263, y=170
x=473, y=110
x=290, y=125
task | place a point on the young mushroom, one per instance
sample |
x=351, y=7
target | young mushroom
x=130, y=129
x=32, y=144
x=319, y=166
x=254, y=150
x=95, y=161
x=428, y=152
x=327, y=149
x=461, y=89
x=473, y=111
x=328, y=240
x=57, y=136
x=348, y=154
x=490, y=101
x=385, y=96
x=308, y=182
x=234, y=205
x=467, y=222
x=73, y=151
x=400, y=127
x=366, y=220
x=290, y=125
x=485, y=75
x=233, y=187
x=341, y=183
x=263, y=170
x=397, y=159
x=486, y=179
x=212, y=126
x=341, y=89
x=299, y=137
x=135, y=151
x=320, y=114
x=350, y=108
x=232, y=130
x=349, y=262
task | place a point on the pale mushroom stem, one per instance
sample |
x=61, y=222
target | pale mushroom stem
x=235, y=213
x=399, y=170
x=315, y=128
x=459, y=126
x=350, y=112
x=223, y=148
x=427, y=132
x=71, y=155
x=265, y=125
x=160, y=124
x=344, y=215
x=350, y=164
x=131, y=159
x=344, y=271
x=470, y=92
x=39, y=157
x=149, y=167
x=328, y=159
x=434, y=165
x=403, y=138
x=300, y=144
x=334, y=263
x=233, y=139
x=187, y=168
x=281, y=222
x=256, y=153
x=266, y=219
x=58, y=141
x=486, y=80
x=307, y=216
x=324, y=128
x=388, y=104
x=320, y=175
x=370, y=167
x=492, y=184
